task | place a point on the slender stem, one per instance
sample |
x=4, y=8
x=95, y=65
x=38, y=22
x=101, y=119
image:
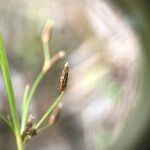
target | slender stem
x=43, y=128
x=26, y=91
x=11, y=98
x=29, y=98
x=3, y=118
x=10, y=122
x=50, y=63
x=25, y=96
x=51, y=108
x=46, y=52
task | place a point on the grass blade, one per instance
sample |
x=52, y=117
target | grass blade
x=10, y=92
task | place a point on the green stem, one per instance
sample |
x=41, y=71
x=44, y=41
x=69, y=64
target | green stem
x=25, y=96
x=29, y=98
x=43, y=128
x=51, y=108
x=7, y=122
x=46, y=52
x=11, y=98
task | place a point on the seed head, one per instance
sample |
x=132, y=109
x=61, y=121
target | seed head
x=64, y=77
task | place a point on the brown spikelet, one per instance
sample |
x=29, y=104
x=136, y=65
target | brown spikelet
x=64, y=77
x=30, y=129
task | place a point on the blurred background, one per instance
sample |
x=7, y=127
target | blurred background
x=103, y=45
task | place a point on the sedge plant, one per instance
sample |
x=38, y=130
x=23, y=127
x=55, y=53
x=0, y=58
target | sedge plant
x=25, y=129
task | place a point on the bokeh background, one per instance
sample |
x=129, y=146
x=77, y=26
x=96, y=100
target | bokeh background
x=105, y=54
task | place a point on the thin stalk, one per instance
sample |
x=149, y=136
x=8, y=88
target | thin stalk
x=25, y=96
x=7, y=122
x=10, y=93
x=46, y=36
x=51, y=108
x=46, y=52
x=10, y=122
x=43, y=128
x=29, y=99
x=31, y=93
